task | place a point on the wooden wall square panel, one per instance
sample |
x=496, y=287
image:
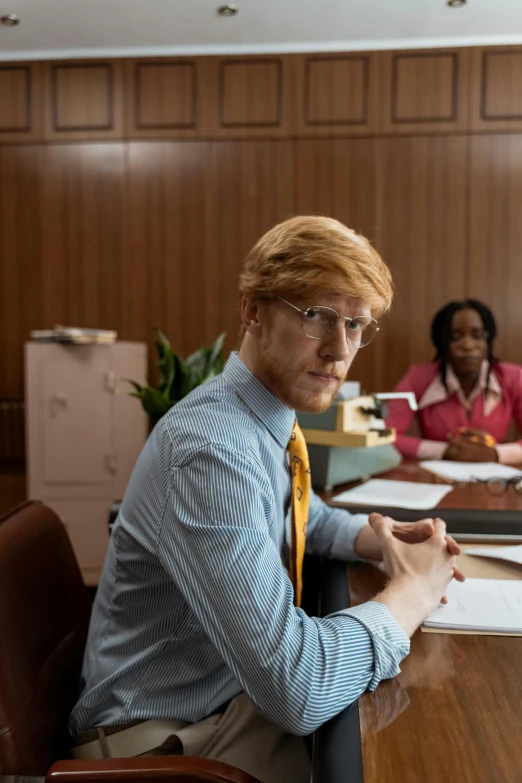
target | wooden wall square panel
x=495, y=235
x=169, y=98
x=165, y=95
x=84, y=100
x=497, y=89
x=336, y=94
x=20, y=102
x=253, y=96
x=250, y=93
x=425, y=91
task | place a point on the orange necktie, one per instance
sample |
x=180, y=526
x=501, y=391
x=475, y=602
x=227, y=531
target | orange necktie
x=301, y=484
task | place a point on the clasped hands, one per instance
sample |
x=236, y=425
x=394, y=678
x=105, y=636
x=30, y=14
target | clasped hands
x=413, y=550
x=471, y=445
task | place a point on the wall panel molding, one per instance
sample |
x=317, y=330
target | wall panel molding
x=337, y=94
x=20, y=102
x=84, y=100
x=169, y=98
x=253, y=97
x=496, y=90
x=250, y=94
x=425, y=91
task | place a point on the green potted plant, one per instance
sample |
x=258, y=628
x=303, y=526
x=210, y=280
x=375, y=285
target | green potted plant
x=178, y=377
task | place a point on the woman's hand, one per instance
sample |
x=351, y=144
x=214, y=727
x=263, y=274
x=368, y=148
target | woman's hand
x=461, y=449
x=476, y=436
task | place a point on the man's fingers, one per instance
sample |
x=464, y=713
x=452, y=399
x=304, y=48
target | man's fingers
x=413, y=531
x=440, y=527
x=458, y=575
x=453, y=547
x=382, y=526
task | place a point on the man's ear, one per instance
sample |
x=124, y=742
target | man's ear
x=250, y=315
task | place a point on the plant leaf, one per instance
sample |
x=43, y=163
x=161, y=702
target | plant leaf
x=154, y=402
x=178, y=377
x=167, y=369
x=180, y=373
x=216, y=355
x=137, y=386
x=215, y=360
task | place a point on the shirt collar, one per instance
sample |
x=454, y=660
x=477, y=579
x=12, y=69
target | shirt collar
x=271, y=412
x=437, y=393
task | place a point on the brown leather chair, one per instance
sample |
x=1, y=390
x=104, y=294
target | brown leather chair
x=44, y=617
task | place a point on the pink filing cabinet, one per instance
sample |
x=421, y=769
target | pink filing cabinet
x=84, y=434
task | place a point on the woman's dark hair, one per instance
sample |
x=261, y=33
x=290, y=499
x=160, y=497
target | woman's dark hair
x=441, y=332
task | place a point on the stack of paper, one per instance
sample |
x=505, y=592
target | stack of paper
x=481, y=606
x=74, y=334
x=399, y=494
x=511, y=553
x=468, y=471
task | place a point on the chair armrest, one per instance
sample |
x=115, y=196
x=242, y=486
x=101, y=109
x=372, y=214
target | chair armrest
x=146, y=769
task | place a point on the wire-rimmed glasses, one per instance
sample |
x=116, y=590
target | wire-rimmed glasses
x=318, y=322
x=497, y=486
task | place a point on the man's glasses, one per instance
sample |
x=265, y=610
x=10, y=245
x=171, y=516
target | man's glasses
x=319, y=322
x=496, y=486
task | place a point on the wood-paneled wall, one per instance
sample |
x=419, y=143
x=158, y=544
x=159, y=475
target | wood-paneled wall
x=271, y=96
x=131, y=190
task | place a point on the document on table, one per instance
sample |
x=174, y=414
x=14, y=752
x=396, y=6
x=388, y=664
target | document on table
x=481, y=606
x=467, y=471
x=511, y=553
x=400, y=494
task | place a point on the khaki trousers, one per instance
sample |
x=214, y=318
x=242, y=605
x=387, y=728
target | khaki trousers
x=240, y=736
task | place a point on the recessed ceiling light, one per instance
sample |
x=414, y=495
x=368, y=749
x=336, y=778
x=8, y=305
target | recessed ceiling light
x=457, y=3
x=9, y=20
x=230, y=9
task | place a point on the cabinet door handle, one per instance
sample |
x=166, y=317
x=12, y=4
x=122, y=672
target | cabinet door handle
x=110, y=381
x=111, y=460
x=56, y=404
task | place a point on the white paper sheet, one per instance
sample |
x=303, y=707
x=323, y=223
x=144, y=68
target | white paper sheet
x=466, y=471
x=400, y=494
x=511, y=553
x=481, y=605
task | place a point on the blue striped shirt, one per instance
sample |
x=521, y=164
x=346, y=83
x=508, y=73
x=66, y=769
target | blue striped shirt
x=195, y=604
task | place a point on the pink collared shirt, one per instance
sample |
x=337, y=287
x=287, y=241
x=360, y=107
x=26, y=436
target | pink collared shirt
x=441, y=413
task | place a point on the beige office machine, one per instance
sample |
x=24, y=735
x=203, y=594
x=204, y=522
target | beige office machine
x=350, y=440
x=355, y=426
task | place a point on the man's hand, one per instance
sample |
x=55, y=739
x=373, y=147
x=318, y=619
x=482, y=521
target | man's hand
x=368, y=547
x=419, y=574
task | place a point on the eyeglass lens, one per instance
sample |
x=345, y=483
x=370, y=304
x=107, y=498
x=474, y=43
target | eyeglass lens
x=319, y=322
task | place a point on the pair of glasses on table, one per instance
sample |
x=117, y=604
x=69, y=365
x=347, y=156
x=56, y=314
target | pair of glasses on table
x=497, y=486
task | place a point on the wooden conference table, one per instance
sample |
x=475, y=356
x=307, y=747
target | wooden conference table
x=455, y=711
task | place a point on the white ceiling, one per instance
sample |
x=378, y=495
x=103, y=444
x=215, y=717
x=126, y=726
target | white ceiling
x=88, y=28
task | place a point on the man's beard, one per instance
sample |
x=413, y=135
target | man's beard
x=284, y=386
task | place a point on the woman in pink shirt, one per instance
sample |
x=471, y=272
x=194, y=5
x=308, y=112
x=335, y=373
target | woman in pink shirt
x=467, y=398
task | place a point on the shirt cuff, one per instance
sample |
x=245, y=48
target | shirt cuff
x=349, y=527
x=390, y=644
x=509, y=453
x=431, y=449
